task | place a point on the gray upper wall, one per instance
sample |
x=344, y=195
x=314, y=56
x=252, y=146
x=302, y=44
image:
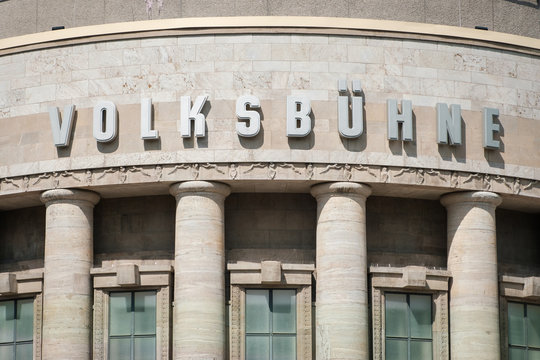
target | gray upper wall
x=520, y=17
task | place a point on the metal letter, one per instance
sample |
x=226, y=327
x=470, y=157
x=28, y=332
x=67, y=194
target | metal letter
x=187, y=114
x=448, y=125
x=405, y=118
x=357, y=127
x=105, y=131
x=253, y=117
x=490, y=128
x=298, y=120
x=146, y=120
x=61, y=132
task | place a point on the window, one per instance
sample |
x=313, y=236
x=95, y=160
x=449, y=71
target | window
x=270, y=324
x=409, y=313
x=132, y=321
x=132, y=325
x=523, y=331
x=16, y=329
x=408, y=324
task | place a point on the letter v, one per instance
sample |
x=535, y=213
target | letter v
x=61, y=131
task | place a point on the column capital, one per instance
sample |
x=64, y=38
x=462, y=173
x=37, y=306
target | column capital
x=181, y=188
x=471, y=197
x=344, y=188
x=62, y=195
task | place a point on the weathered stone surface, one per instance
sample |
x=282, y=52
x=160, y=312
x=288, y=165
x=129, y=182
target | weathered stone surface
x=342, y=299
x=472, y=262
x=199, y=290
x=67, y=290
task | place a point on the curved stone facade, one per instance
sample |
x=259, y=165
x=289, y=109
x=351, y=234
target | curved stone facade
x=379, y=121
x=514, y=17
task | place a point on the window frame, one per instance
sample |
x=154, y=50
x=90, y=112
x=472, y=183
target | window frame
x=410, y=280
x=149, y=278
x=409, y=338
x=132, y=336
x=271, y=334
x=526, y=347
x=28, y=284
x=518, y=289
x=14, y=343
x=251, y=275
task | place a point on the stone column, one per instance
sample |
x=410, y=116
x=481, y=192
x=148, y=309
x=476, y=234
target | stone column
x=67, y=288
x=199, y=280
x=342, y=297
x=472, y=262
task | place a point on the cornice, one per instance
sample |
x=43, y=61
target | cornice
x=270, y=24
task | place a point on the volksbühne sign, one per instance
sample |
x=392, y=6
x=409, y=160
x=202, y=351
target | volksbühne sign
x=349, y=109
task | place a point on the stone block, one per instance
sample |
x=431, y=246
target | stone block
x=414, y=277
x=128, y=275
x=270, y=272
x=8, y=284
x=532, y=287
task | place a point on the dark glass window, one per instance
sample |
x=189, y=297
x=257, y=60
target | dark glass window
x=523, y=331
x=132, y=325
x=270, y=324
x=16, y=329
x=408, y=322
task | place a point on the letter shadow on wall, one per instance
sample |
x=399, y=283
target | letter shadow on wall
x=493, y=156
x=202, y=142
x=111, y=146
x=458, y=152
x=398, y=146
x=65, y=151
x=306, y=142
x=152, y=144
x=356, y=144
x=256, y=141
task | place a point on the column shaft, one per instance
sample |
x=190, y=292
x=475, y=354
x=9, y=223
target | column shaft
x=67, y=290
x=472, y=261
x=199, y=292
x=342, y=300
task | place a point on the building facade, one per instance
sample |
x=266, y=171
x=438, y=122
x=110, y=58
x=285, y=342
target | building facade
x=270, y=187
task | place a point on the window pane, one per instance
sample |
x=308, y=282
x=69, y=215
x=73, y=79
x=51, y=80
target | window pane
x=145, y=348
x=284, y=311
x=421, y=350
x=257, y=347
x=533, y=325
x=534, y=354
x=516, y=333
x=119, y=349
x=396, y=349
x=6, y=352
x=120, y=314
x=24, y=352
x=25, y=320
x=396, y=315
x=257, y=311
x=420, y=316
x=145, y=313
x=284, y=347
x=7, y=320
x=516, y=354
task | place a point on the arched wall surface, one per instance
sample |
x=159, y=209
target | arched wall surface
x=270, y=62
x=508, y=16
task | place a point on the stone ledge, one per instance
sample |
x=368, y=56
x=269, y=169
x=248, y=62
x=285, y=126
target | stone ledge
x=272, y=24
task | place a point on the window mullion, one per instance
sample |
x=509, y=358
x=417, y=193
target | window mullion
x=271, y=322
x=132, y=331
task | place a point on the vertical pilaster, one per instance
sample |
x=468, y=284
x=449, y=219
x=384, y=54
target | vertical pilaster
x=472, y=262
x=67, y=289
x=199, y=289
x=342, y=297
